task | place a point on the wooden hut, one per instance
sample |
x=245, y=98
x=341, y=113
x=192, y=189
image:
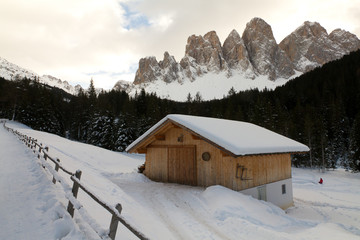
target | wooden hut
x=203, y=151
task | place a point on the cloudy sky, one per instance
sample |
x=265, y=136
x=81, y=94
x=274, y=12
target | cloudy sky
x=76, y=40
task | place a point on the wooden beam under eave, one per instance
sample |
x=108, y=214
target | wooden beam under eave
x=142, y=150
x=195, y=137
x=175, y=125
x=224, y=154
x=160, y=137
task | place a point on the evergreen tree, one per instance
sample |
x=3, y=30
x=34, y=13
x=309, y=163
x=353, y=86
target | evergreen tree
x=354, y=148
x=92, y=93
x=232, y=91
x=124, y=134
x=189, y=98
x=101, y=130
x=198, y=98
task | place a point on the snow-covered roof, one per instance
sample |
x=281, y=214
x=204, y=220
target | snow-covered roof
x=239, y=138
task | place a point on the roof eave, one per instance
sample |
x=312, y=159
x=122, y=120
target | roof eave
x=134, y=146
x=270, y=153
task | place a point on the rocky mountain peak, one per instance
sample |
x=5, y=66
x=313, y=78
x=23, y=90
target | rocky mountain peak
x=253, y=54
x=194, y=45
x=346, y=39
x=236, y=55
x=214, y=40
x=148, y=70
x=122, y=85
x=168, y=61
x=310, y=46
x=234, y=49
x=265, y=55
x=310, y=30
x=171, y=69
x=206, y=51
x=257, y=28
x=234, y=35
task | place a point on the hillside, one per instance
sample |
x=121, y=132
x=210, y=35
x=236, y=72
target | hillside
x=171, y=211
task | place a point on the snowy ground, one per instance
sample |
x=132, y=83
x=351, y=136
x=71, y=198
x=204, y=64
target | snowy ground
x=32, y=207
x=217, y=86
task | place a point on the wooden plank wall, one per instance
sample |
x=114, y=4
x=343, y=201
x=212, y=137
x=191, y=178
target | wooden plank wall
x=220, y=169
x=259, y=170
x=182, y=165
x=157, y=164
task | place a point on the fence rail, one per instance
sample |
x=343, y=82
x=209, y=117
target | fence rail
x=43, y=156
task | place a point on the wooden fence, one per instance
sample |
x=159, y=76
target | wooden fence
x=43, y=156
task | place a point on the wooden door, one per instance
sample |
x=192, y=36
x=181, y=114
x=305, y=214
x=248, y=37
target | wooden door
x=262, y=193
x=182, y=165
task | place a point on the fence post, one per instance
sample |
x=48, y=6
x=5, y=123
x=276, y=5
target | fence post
x=34, y=145
x=56, y=169
x=75, y=190
x=114, y=222
x=41, y=149
x=39, y=152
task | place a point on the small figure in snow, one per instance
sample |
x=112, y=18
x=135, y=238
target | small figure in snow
x=321, y=181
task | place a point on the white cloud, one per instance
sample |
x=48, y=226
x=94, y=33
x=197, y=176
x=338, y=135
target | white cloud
x=104, y=39
x=162, y=22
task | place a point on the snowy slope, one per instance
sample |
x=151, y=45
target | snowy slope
x=12, y=71
x=210, y=86
x=30, y=205
x=172, y=211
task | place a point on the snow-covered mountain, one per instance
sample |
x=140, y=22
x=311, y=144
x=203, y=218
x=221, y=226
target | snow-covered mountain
x=310, y=46
x=254, y=60
x=11, y=71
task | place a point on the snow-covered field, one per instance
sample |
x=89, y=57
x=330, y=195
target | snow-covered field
x=31, y=207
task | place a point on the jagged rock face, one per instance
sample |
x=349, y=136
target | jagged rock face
x=217, y=61
x=195, y=48
x=264, y=53
x=310, y=46
x=236, y=55
x=168, y=62
x=148, y=70
x=190, y=68
x=170, y=68
x=122, y=85
x=346, y=39
x=206, y=51
x=303, y=48
x=255, y=53
x=78, y=88
x=167, y=70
